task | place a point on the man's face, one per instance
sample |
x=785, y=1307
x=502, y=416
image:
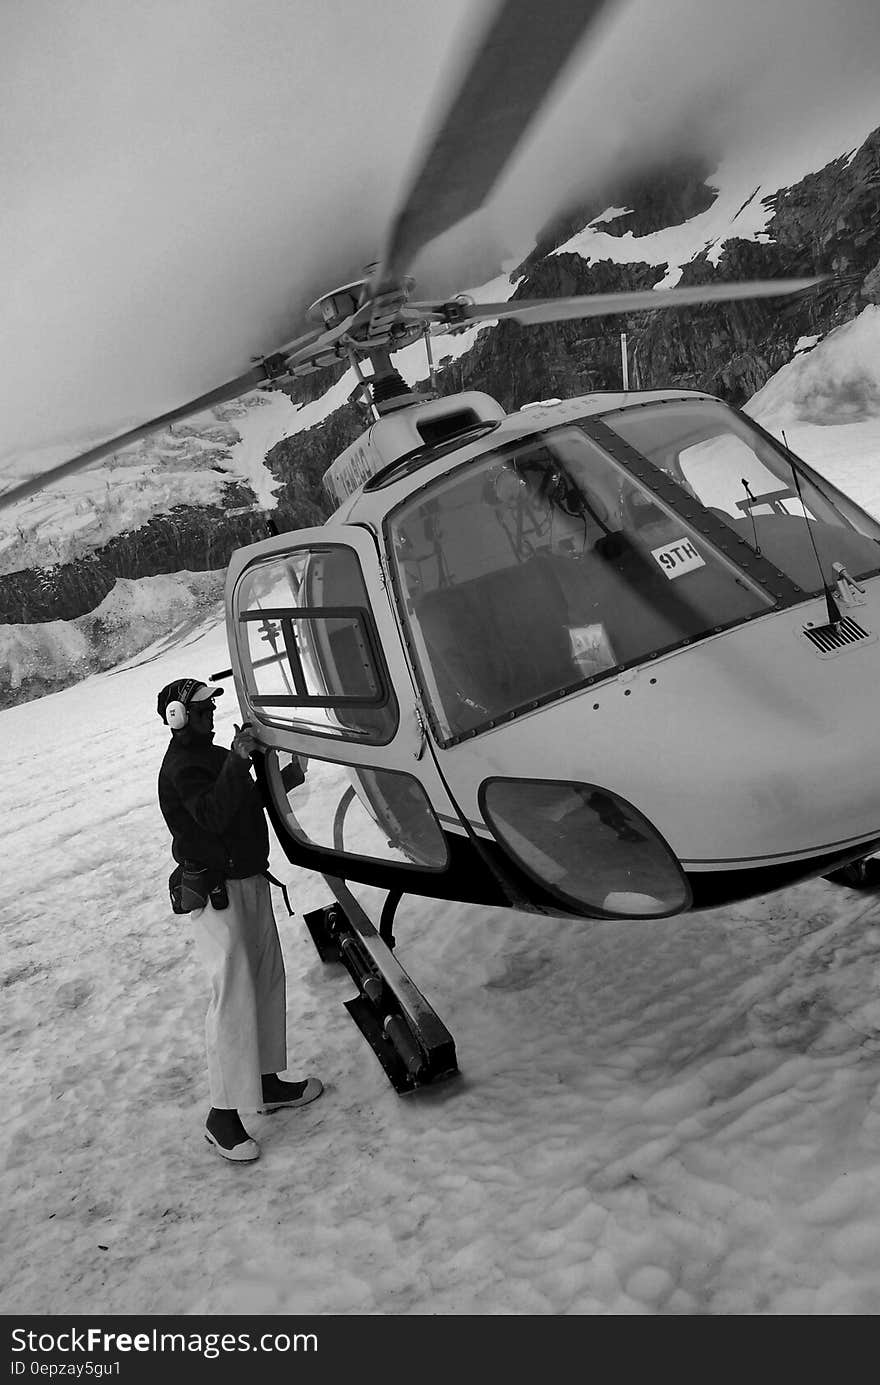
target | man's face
x=201, y=717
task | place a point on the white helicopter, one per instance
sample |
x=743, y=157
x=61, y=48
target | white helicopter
x=613, y=656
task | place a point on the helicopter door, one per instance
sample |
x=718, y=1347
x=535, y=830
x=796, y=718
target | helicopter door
x=320, y=671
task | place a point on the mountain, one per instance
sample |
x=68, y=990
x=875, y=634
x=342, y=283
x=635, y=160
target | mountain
x=182, y=502
x=826, y=224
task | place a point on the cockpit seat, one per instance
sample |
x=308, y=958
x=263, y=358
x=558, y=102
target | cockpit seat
x=496, y=642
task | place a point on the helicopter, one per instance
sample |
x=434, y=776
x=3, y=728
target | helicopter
x=604, y=657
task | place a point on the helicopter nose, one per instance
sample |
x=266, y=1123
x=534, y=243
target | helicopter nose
x=588, y=845
x=745, y=762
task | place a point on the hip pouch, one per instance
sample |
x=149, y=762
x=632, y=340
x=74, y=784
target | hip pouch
x=190, y=886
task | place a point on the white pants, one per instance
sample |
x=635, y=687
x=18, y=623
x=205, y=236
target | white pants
x=246, y=1024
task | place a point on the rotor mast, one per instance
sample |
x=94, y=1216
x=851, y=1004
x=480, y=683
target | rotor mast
x=365, y=328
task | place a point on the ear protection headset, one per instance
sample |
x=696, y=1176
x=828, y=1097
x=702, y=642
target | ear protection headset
x=176, y=713
x=176, y=716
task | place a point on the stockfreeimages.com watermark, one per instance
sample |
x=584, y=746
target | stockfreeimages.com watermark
x=95, y=1341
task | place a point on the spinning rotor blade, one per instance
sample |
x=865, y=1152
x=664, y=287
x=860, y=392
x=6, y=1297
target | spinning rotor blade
x=269, y=368
x=533, y=310
x=232, y=390
x=510, y=75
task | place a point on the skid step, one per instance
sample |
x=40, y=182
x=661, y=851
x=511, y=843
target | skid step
x=410, y=1040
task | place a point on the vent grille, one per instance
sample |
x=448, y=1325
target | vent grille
x=830, y=638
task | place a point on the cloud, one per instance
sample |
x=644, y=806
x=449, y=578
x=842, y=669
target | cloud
x=773, y=87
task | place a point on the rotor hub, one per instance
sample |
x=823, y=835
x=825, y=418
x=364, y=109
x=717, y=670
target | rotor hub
x=334, y=307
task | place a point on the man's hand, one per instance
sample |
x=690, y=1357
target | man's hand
x=244, y=742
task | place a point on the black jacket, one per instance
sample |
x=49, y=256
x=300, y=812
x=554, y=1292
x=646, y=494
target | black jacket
x=212, y=807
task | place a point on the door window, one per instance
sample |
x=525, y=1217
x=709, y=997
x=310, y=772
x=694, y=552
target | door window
x=309, y=649
x=383, y=815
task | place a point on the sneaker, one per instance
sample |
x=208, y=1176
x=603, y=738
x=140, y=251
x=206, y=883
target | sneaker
x=278, y=1094
x=224, y=1130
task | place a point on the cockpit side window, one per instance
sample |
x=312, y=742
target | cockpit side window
x=533, y=570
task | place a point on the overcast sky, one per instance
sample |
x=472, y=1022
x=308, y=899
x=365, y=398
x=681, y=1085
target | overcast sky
x=180, y=177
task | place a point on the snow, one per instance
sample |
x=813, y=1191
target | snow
x=827, y=403
x=839, y=383
x=133, y=615
x=741, y=182
x=651, y=1118
x=188, y=464
x=675, y=1117
x=674, y=246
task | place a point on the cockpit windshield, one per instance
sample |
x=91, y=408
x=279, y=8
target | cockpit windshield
x=748, y=482
x=538, y=567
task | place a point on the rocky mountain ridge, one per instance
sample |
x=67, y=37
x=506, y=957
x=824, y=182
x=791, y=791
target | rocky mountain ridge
x=828, y=224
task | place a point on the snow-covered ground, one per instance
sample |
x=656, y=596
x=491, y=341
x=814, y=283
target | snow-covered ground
x=826, y=404
x=675, y=1117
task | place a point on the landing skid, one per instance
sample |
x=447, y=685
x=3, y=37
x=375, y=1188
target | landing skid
x=411, y=1042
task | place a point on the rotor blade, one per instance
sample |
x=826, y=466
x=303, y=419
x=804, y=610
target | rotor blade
x=532, y=310
x=232, y=390
x=298, y=343
x=520, y=58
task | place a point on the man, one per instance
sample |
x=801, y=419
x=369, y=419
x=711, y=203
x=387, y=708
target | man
x=215, y=815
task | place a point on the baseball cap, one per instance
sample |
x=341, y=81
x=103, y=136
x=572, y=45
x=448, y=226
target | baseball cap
x=186, y=691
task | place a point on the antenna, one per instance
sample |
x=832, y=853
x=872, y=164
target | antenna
x=432, y=373
x=753, y=503
x=834, y=616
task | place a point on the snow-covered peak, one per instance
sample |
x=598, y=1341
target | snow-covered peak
x=190, y=463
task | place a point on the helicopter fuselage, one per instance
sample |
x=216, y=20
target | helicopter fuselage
x=614, y=656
